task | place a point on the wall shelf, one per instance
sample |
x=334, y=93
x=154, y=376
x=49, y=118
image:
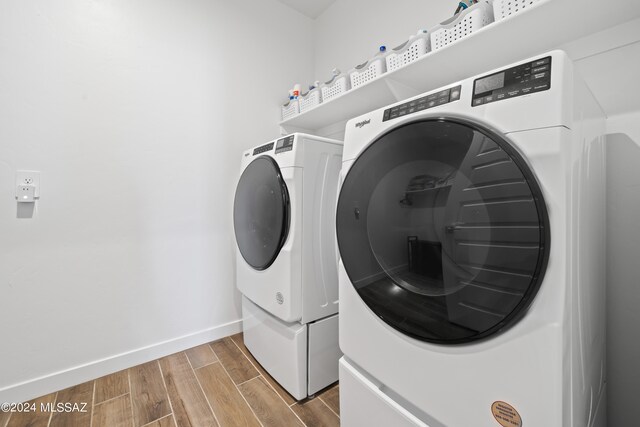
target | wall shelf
x=546, y=26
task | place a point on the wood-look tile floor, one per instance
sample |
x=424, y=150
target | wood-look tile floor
x=215, y=384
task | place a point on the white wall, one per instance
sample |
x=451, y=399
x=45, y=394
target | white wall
x=136, y=113
x=349, y=32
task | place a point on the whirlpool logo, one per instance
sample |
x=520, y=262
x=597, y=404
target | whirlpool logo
x=362, y=123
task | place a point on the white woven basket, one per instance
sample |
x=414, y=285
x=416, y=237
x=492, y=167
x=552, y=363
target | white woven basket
x=505, y=8
x=461, y=25
x=310, y=99
x=368, y=71
x=335, y=87
x=416, y=47
x=290, y=109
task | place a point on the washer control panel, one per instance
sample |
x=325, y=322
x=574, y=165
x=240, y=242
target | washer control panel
x=284, y=144
x=516, y=81
x=263, y=149
x=428, y=101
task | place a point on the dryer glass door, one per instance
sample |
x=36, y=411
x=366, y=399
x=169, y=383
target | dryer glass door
x=443, y=231
x=261, y=212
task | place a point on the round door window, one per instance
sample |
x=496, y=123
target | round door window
x=443, y=231
x=261, y=213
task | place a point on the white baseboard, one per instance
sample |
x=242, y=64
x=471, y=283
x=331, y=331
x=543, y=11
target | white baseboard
x=77, y=375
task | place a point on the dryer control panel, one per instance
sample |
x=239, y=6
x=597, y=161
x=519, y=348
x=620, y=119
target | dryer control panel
x=263, y=149
x=284, y=144
x=520, y=80
x=428, y=101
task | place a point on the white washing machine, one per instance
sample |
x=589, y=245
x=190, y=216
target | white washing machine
x=471, y=229
x=286, y=259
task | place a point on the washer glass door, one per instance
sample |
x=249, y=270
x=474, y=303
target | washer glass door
x=261, y=212
x=443, y=231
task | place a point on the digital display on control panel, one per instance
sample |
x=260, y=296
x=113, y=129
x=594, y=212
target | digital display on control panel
x=428, y=101
x=490, y=83
x=284, y=144
x=516, y=81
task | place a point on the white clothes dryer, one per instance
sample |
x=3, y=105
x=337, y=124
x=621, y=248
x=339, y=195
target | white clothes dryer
x=471, y=230
x=286, y=259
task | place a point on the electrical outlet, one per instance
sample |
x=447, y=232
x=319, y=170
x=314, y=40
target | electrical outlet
x=25, y=193
x=27, y=184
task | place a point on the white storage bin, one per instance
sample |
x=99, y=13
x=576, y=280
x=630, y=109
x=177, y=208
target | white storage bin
x=368, y=71
x=310, y=99
x=504, y=8
x=335, y=87
x=409, y=51
x=290, y=109
x=461, y=25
